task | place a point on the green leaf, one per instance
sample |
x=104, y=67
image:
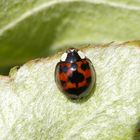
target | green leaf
x=32, y=108
x=37, y=28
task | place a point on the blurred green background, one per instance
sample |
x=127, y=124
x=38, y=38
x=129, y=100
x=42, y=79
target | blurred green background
x=37, y=28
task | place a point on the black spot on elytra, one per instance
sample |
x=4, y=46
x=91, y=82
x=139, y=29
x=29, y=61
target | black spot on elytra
x=85, y=66
x=65, y=69
x=76, y=91
x=63, y=83
x=60, y=69
x=88, y=80
x=76, y=77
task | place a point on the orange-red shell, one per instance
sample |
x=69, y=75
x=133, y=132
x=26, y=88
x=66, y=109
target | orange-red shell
x=75, y=79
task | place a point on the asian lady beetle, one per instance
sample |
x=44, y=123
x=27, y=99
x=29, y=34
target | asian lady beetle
x=75, y=74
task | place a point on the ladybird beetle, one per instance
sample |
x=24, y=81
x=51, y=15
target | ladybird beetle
x=74, y=74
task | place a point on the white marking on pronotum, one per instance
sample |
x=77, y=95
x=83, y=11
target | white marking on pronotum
x=64, y=56
x=81, y=54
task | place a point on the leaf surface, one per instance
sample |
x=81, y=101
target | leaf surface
x=31, y=106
